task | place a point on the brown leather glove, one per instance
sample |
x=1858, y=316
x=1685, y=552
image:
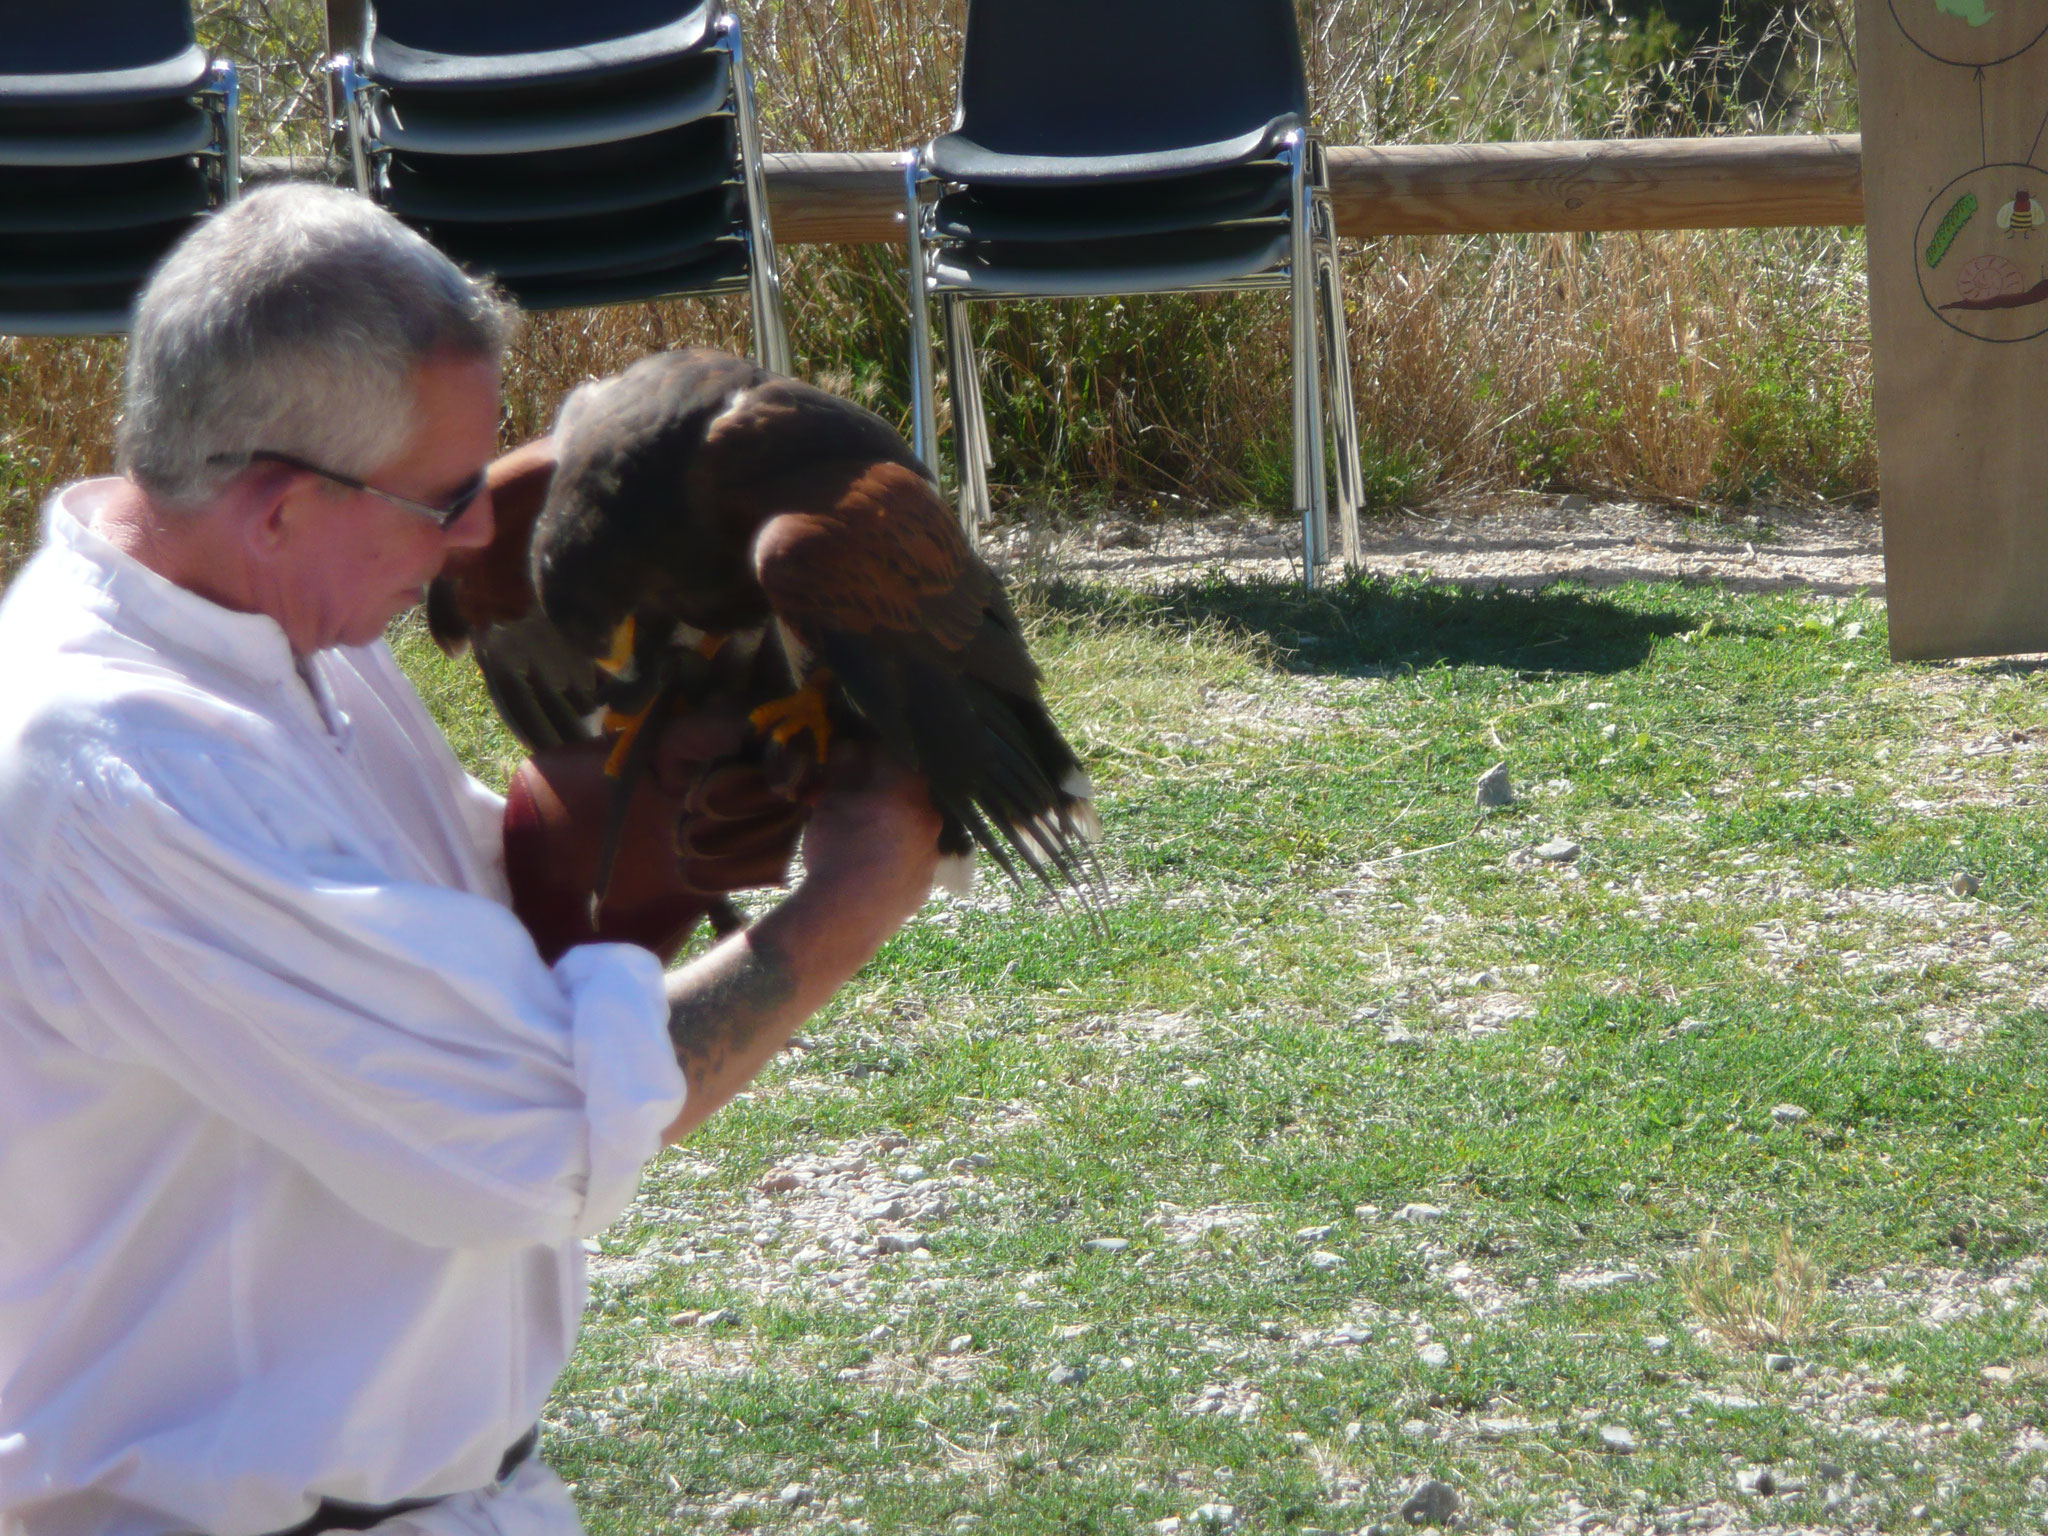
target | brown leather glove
x=703, y=823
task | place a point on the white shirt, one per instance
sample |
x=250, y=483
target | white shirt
x=298, y=1135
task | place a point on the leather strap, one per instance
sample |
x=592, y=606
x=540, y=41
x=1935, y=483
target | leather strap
x=340, y=1515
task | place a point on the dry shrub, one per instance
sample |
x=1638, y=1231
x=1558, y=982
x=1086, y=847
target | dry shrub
x=58, y=400
x=1746, y=1307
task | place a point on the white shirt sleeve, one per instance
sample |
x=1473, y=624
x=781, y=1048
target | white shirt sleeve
x=402, y=1041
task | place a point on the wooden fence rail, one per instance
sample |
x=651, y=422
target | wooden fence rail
x=1448, y=189
x=1428, y=189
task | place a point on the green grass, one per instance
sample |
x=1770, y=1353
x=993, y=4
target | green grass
x=1329, y=987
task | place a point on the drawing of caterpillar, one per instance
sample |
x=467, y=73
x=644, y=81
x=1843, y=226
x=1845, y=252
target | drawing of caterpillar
x=1960, y=213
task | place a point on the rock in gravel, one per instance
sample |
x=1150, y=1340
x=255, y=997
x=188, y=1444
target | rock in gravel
x=959, y=1344
x=1067, y=1375
x=1324, y=1260
x=1216, y=1517
x=1576, y=503
x=1963, y=883
x=1315, y=1234
x=1415, y=1210
x=1618, y=1439
x=1559, y=850
x=1434, y=1503
x=1434, y=1354
x=1657, y=1344
x=1106, y=1244
x=1779, y=1362
x=797, y=1495
x=1789, y=1114
x=1271, y=1331
x=1494, y=789
x=1759, y=1482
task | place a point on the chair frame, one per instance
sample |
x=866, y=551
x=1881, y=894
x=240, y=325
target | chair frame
x=1319, y=334
x=763, y=280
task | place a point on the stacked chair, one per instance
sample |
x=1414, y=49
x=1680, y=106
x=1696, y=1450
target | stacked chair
x=579, y=153
x=1109, y=147
x=116, y=132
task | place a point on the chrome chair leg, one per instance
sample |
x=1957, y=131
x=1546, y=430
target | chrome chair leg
x=983, y=458
x=1307, y=394
x=226, y=88
x=354, y=93
x=764, y=279
x=967, y=449
x=924, y=430
x=1342, y=401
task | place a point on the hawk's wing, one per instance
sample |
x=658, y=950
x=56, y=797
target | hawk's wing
x=872, y=575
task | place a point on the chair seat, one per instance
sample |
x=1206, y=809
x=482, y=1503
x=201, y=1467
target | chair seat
x=955, y=157
x=506, y=125
x=563, y=182
x=1232, y=256
x=670, y=234
x=46, y=200
x=176, y=75
x=428, y=194
x=190, y=133
x=1094, y=211
x=427, y=46
x=721, y=266
x=29, y=264
x=89, y=310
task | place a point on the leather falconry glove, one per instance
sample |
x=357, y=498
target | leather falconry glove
x=705, y=822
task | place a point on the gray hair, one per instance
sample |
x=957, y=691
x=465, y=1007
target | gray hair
x=292, y=321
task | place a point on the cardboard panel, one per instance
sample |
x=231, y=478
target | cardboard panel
x=1955, y=184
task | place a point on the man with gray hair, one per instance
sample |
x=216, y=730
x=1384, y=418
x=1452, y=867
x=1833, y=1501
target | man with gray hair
x=299, y=1138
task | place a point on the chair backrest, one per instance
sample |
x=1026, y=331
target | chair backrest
x=1105, y=77
x=519, y=26
x=81, y=40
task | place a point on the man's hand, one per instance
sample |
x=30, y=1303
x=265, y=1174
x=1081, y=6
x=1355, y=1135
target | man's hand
x=869, y=858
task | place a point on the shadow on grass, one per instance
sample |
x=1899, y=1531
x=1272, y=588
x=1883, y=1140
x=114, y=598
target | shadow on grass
x=1368, y=625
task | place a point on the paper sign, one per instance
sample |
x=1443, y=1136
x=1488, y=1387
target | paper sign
x=1955, y=187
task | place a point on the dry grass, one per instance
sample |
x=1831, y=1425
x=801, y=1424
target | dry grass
x=1747, y=1308
x=1686, y=366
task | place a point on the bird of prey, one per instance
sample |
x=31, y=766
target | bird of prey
x=700, y=526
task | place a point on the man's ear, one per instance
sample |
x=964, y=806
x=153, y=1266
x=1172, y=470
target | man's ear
x=271, y=517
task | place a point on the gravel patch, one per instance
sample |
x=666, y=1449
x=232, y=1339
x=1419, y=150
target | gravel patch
x=1519, y=539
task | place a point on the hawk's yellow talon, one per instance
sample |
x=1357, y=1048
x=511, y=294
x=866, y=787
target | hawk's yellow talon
x=628, y=727
x=791, y=715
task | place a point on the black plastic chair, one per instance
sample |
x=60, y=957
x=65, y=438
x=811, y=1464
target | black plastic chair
x=579, y=154
x=116, y=132
x=1108, y=147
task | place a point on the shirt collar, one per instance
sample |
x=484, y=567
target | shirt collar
x=133, y=595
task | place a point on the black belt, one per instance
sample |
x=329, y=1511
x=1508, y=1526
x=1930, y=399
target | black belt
x=340, y=1515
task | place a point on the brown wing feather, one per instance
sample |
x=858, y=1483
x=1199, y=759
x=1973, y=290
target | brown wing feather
x=875, y=551
x=494, y=584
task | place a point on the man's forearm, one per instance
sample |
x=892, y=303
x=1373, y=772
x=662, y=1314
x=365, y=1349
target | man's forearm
x=731, y=1010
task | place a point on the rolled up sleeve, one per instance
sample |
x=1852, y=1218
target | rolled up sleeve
x=402, y=1041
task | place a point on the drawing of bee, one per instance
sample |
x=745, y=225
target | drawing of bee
x=2021, y=216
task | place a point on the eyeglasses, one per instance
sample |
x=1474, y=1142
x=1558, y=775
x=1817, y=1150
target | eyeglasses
x=443, y=517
